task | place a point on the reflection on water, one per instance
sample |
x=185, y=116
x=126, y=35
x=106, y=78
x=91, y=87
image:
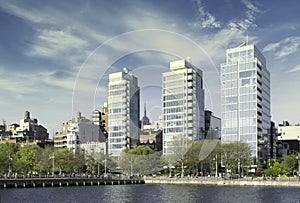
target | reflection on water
x=151, y=193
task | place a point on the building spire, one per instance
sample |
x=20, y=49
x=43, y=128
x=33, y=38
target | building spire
x=145, y=113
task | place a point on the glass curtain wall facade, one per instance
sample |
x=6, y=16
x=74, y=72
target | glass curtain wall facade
x=245, y=96
x=123, y=112
x=183, y=103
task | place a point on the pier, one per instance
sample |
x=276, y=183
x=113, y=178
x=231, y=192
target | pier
x=64, y=182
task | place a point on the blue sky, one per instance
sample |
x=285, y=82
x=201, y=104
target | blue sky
x=55, y=55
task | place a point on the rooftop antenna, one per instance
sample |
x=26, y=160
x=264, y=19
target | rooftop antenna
x=125, y=70
x=188, y=59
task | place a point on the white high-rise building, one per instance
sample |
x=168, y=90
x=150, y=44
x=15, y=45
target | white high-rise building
x=123, y=112
x=245, y=96
x=183, y=104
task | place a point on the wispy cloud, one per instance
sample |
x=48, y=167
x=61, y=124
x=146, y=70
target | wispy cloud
x=285, y=47
x=295, y=69
x=271, y=47
x=207, y=20
x=17, y=86
x=30, y=15
x=56, y=44
x=250, y=17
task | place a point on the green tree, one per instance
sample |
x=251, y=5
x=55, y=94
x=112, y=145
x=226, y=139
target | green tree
x=274, y=169
x=8, y=153
x=289, y=164
x=235, y=156
x=179, y=146
x=141, y=160
x=63, y=159
x=207, y=151
x=44, y=164
x=26, y=159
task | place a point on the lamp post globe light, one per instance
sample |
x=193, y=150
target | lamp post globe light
x=52, y=157
x=298, y=158
x=9, y=165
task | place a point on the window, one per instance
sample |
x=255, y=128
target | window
x=247, y=74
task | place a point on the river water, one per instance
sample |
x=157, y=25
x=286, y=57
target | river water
x=151, y=193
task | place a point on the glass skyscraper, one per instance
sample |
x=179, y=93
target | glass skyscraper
x=123, y=112
x=183, y=103
x=245, y=97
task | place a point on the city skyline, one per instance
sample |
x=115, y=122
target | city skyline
x=44, y=46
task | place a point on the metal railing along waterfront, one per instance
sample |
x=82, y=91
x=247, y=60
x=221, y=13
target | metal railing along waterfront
x=57, y=181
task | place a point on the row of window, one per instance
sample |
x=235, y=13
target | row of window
x=243, y=90
x=173, y=97
x=173, y=130
x=249, y=138
x=243, y=98
x=245, y=121
x=116, y=146
x=173, y=117
x=174, y=83
x=247, y=52
x=116, y=140
x=117, y=86
x=116, y=104
x=175, y=77
x=174, y=90
x=247, y=74
x=174, y=123
x=248, y=89
x=173, y=103
x=116, y=134
x=242, y=75
x=116, y=110
x=247, y=82
x=173, y=110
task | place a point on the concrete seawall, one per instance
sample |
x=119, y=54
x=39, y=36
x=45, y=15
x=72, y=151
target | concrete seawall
x=64, y=182
x=223, y=182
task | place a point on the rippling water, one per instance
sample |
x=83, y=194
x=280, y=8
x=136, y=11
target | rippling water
x=151, y=193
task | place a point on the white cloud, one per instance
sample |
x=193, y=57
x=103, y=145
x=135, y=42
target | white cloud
x=55, y=43
x=20, y=84
x=271, y=47
x=26, y=14
x=250, y=17
x=284, y=47
x=207, y=19
x=295, y=69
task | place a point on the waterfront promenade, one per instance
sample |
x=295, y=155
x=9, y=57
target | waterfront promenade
x=259, y=181
x=65, y=182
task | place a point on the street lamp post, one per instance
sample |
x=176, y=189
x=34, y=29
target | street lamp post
x=298, y=163
x=52, y=157
x=182, y=170
x=216, y=165
x=98, y=169
x=105, y=166
x=9, y=165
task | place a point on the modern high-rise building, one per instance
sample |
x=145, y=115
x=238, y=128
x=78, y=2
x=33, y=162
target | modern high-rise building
x=123, y=112
x=183, y=104
x=245, y=97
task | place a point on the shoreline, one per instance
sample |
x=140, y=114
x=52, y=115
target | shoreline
x=284, y=182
